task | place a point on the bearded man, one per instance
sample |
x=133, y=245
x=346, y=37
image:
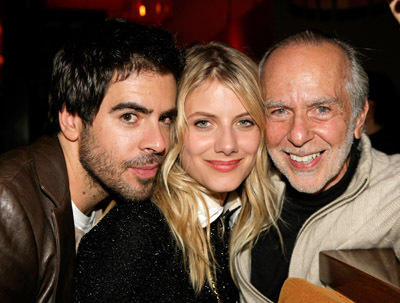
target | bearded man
x=111, y=106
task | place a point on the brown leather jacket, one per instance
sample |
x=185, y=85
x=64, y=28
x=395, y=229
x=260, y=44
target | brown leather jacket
x=37, y=242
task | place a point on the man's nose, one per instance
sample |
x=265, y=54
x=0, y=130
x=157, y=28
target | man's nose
x=155, y=139
x=300, y=131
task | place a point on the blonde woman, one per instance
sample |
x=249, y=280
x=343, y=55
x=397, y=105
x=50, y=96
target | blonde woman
x=214, y=186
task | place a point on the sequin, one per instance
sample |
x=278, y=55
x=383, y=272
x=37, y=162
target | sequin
x=131, y=256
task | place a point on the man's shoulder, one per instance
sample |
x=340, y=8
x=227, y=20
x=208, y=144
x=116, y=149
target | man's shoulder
x=376, y=165
x=22, y=162
x=23, y=170
x=383, y=176
x=11, y=162
x=381, y=162
x=21, y=196
x=33, y=222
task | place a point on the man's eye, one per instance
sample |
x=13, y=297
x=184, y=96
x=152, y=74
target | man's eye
x=279, y=114
x=167, y=120
x=323, y=109
x=129, y=118
x=279, y=111
x=202, y=123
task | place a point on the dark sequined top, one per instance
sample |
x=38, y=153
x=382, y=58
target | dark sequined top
x=225, y=286
x=131, y=256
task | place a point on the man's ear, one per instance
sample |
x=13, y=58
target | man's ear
x=70, y=123
x=361, y=120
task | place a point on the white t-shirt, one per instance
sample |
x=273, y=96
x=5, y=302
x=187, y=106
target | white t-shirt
x=81, y=221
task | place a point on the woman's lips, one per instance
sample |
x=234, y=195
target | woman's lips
x=223, y=166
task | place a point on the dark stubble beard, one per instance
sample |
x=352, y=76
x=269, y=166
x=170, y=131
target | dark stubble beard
x=103, y=170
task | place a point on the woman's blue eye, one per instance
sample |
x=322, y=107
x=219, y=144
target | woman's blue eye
x=202, y=123
x=246, y=123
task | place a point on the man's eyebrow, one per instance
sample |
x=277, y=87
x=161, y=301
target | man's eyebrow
x=131, y=105
x=170, y=113
x=274, y=103
x=316, y=102
x=323, y=101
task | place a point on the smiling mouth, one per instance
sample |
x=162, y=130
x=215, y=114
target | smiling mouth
x=305, y=159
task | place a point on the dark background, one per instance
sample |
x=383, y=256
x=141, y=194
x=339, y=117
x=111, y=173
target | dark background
x=32, y=30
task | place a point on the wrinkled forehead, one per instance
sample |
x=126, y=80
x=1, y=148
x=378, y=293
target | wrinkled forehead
x=319, y=62
x=325, y=55
x=305, y=72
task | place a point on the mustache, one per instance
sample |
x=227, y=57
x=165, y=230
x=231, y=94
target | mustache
x=144, y=160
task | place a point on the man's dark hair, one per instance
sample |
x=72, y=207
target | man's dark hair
x=85, y=66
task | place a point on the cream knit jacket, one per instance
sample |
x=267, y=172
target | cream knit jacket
x=366, y=216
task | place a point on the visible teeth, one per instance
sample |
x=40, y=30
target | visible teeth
x=306, y=159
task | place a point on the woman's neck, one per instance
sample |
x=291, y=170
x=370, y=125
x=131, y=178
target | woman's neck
x=220, y=198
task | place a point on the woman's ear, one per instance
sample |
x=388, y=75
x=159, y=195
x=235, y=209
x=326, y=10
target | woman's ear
x=70, y=123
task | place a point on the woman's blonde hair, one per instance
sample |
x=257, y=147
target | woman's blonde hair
x=177, y=192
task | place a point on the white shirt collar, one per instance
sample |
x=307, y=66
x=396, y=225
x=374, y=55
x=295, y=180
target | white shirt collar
x=215, y=210
x=233, y=204
x=81, y=221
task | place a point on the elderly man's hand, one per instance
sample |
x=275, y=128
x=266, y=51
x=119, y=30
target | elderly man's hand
x=395, y=8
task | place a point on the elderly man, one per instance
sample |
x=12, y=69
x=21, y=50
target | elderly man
x=112, y=103
x=336, y=191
